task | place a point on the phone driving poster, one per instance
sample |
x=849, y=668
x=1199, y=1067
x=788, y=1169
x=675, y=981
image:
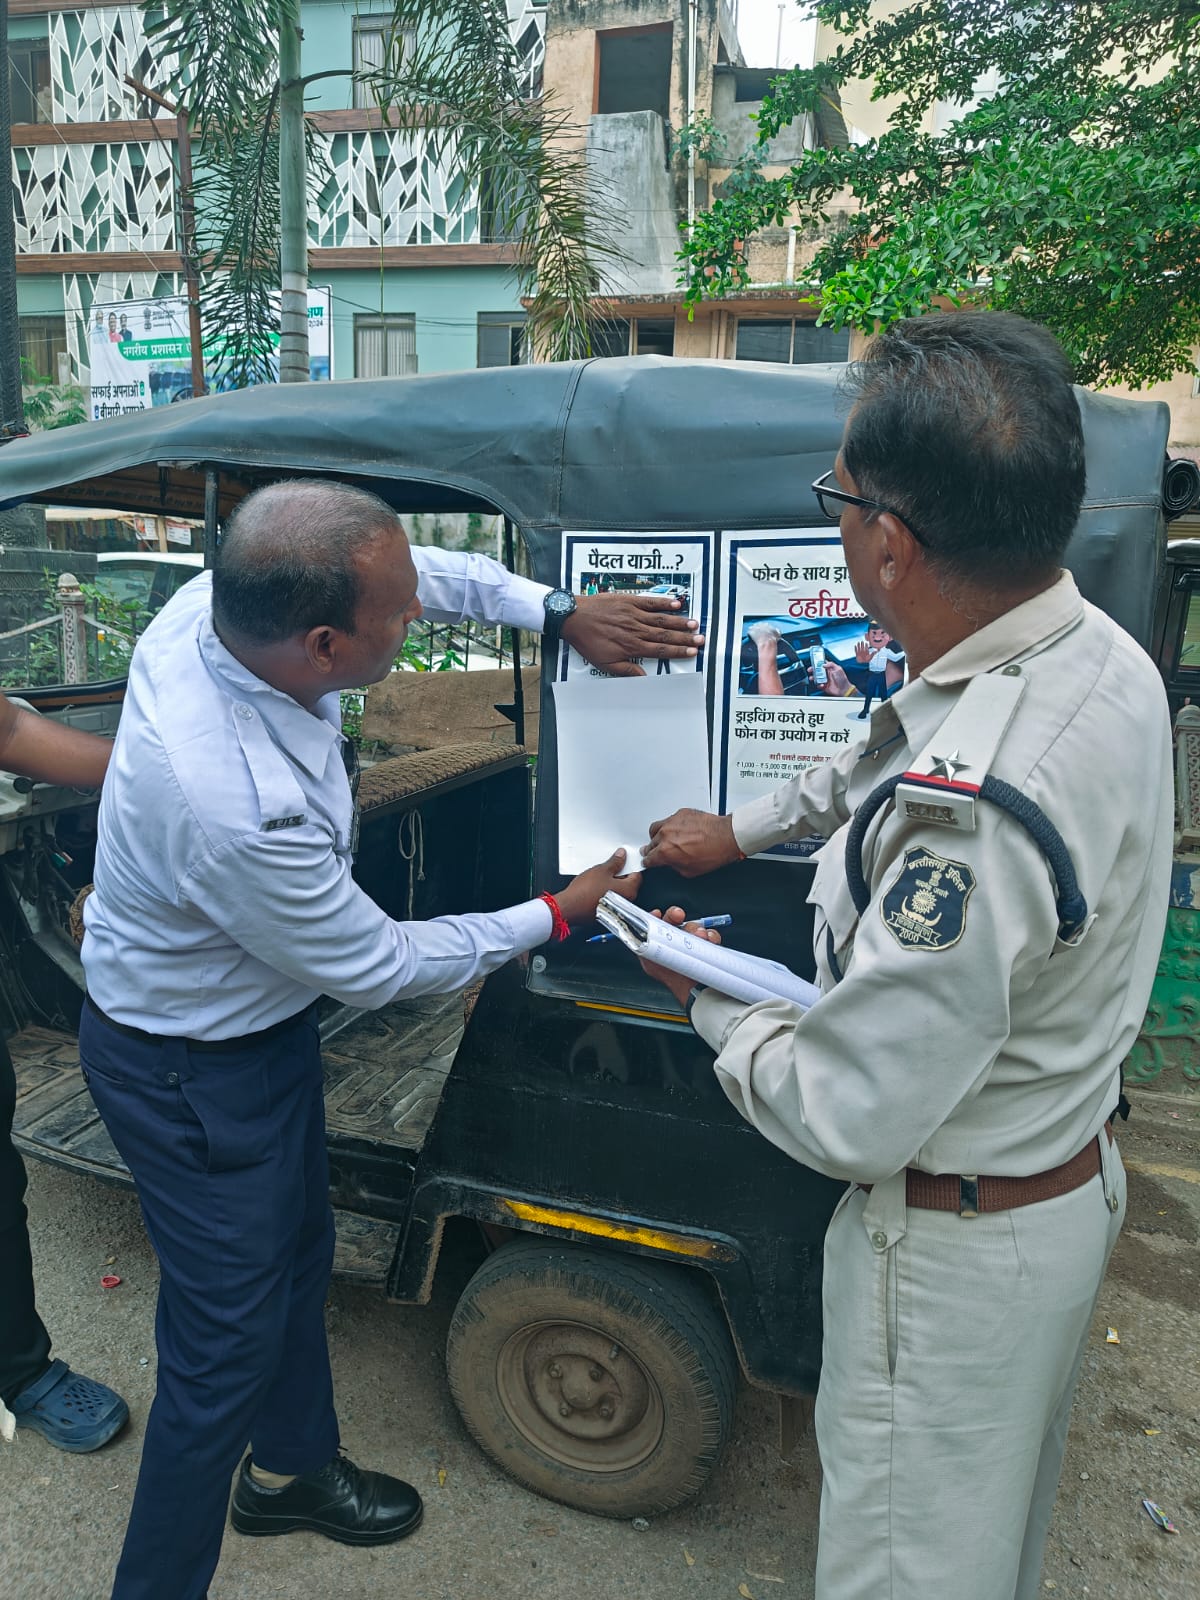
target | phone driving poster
x=801, y=664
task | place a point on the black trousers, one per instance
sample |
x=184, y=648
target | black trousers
x=24, y=1342
x=228, y=1150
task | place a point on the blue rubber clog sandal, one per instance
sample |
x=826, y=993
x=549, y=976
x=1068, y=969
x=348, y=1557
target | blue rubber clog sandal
x=73, y=1412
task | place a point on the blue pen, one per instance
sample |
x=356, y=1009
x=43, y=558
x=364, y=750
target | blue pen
x=723, y=921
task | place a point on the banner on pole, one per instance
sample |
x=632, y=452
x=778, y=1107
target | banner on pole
x=140, y=352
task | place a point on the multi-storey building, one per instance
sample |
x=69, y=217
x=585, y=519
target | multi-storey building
x=419, y=279
x=633, y=74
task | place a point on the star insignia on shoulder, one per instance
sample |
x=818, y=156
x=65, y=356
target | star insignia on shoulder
x=948, y=767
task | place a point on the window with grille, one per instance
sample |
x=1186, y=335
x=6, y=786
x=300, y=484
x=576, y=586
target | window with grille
x=44, y=349
x=792, y=341
x=653, y=336
x=1189, y=649
x=385, y=346
x=29, y=80
x=636, y=336
x=373, y=40
x=501, y=339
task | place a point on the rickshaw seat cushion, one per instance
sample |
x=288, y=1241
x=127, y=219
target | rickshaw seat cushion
x=401, y=777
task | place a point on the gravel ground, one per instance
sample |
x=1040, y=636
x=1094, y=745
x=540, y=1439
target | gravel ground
x=752, y=1532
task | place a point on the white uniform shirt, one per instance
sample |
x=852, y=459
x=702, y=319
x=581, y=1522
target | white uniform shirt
x=998, y=1052
x=223, y=899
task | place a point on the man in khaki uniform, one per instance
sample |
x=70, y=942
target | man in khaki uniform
x=975, y=1010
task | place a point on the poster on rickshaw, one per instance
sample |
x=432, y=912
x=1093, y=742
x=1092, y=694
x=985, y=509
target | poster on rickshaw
x=800, y=664
x=678, y=566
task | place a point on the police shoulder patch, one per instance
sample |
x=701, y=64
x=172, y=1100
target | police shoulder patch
x=926, y=907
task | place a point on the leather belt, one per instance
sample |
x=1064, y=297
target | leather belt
x=969, y=1195
x=244, y=1041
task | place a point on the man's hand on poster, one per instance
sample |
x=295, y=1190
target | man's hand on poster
x=613, y=630
x=679, y=986
x=578, y=901
x=862, y=652
x=692, y=842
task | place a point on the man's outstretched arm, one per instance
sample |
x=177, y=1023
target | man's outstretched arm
x=696, y=842
x=609, y=630
x=37, y=747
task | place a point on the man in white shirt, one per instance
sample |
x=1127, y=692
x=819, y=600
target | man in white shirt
x=989, y=912
x=223, y=908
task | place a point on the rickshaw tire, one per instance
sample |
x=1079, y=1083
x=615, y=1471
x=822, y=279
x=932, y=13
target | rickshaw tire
x=596, y=1378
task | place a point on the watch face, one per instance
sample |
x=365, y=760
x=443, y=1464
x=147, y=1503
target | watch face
x=559, y=603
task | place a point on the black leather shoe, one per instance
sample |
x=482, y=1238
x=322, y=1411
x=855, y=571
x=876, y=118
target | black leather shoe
x=341, y=1501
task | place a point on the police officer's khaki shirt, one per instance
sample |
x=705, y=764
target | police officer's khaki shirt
x=991, y=1047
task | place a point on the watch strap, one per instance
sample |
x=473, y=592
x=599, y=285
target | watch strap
x=554, y=617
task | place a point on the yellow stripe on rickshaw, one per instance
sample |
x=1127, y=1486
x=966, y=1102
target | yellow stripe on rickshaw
x=679, y=1244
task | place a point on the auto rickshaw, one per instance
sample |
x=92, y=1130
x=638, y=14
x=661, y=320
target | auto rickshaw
x=647, y=1246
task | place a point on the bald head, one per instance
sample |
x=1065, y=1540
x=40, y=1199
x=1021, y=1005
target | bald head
x=290, y=559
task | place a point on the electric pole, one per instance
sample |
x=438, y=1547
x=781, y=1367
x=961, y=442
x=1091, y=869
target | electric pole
x=12, y=407
x=293, y=202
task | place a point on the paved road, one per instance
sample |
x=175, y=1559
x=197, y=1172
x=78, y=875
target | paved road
x=752, y=1532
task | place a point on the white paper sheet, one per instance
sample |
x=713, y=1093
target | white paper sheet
x=630, y=750
x=716, y=966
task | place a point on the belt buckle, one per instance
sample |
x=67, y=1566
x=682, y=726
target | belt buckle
x=968, y=1195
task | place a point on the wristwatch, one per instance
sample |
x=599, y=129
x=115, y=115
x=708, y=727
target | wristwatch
x=559, y=605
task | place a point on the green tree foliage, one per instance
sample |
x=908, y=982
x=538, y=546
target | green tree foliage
x=1070, y=193
x=450, y=69
x=48, y=404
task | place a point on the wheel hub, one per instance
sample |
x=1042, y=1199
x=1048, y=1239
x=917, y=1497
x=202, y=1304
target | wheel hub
x=581, y=1398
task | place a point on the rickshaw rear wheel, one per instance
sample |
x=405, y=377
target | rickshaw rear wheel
x=598, y=1379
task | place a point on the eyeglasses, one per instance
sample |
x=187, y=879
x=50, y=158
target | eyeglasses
x=825, y=494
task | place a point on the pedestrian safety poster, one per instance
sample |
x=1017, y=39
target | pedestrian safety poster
x=678, y=566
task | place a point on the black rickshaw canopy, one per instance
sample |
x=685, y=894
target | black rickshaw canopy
x=645, y=443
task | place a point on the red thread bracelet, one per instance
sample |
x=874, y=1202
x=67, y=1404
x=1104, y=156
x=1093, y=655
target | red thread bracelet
x=562, y=928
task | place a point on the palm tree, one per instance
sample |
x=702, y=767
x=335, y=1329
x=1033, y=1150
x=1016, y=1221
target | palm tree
x=449, y=68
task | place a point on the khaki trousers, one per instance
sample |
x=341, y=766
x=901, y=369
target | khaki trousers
x=951, y=1354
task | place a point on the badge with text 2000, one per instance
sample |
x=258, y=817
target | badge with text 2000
x=926, y=907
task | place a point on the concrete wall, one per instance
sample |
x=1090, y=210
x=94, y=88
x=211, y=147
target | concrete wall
x=328, y=45
x=861, y=112
x=1184, y=404
x=572, y=58
x=627, y=174
x=732, y=117
x=444, y=300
